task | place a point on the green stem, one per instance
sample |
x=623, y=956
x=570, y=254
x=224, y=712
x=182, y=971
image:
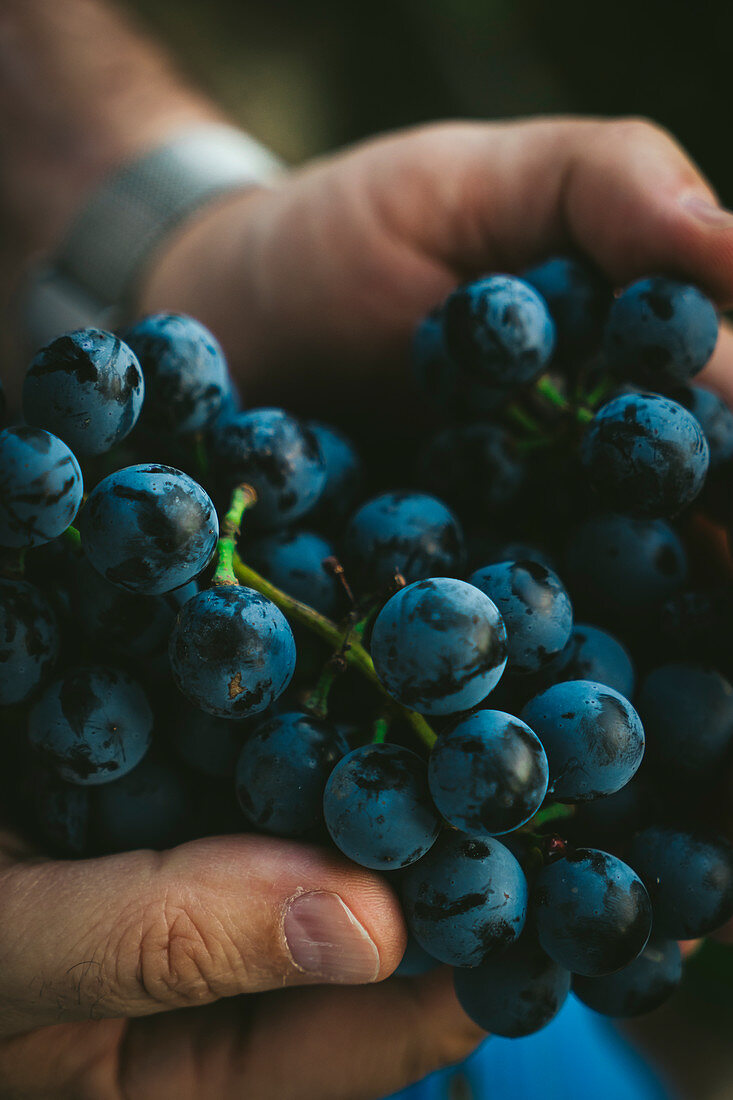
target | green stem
x=316, y=702
x=523, y=419
x=546, y=388
x=556, y=811
x=72, y=535
x=355, y=656
x=597, y=395
x=380, y=731
x=243, y=497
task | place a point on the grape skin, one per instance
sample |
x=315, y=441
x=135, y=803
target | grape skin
x=29, y=641
x=293, y=561
x=378, y=809
x=87, y=388
x=41, y=487
x=578, y=297
x=439, y=646
x=148, y=808
x=640, y=987
x=592, y=912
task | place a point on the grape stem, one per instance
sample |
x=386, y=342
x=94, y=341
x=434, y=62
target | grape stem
x=243, y=497
x=72, y=535
x=556, y=811
x=380, y=730
x=354, y=655
x=546, y=388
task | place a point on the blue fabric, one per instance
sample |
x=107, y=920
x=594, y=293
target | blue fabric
x=576, y=1056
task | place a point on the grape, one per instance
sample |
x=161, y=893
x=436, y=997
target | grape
x=61, y=813
x=378, y=809
x=125, y=623
x=498, y=330
x=476, y=467
x=695, y=624
x=186, y=378
x=535, y=608
x=148, y=808
x=646, y=455
x=439, y=646
x=643, y=985
x=592, y=913
x=415, y=960
x=29, y=641
x=148, y=529
x=282, y=770
x=275, y=454
x=593, y=738
x=87, y=388
x=515, y=993
x=623, y=566
x=440, y=381
x=344, y=474
x=661, y=331
x=465, y=899
x=40, y=487
x=594, y=654
x=401, y=532
x=293, y=561
x=715, y=419
x=688, y=718
x=232, y=652
x=207, y=744
x=91, y=725
x=689, y=875
x=488, y=774
x=578, y=297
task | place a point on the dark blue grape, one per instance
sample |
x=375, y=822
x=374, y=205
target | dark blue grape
x=294, y=561
x=440, y=381
x=535, y=608
x=207, y=744
x=378, y=809
x=29, y=641
x=415, y=960
x=278, y=456
x=148, y=808
x=661, y=331
x=687, y=713
x=623, y=566
x=578, y=297
x=593, y=738
x=148, y=529
x=123, y=622
x=592, y=912
x=401, y=532
x=715, y=419
x=488, y=774
x=87, y=388
x=465, y=899
x=91, y=725
x=186, y=378
x=498, y=330
x=40, y=487
x=439, y=646
x=594, y=654
x=645, y=455
x=475, y=467
x=344, y=474
x=61, y=814
x=640, y=987
x=282, y=771
x=232, y=652
x=515, y=993
x=689, y=876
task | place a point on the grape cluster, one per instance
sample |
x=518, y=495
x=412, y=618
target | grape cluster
x=504, y=682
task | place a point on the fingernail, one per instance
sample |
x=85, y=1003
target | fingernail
x=707, y=211
x=325, y=939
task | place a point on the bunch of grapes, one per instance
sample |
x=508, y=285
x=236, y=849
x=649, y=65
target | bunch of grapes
x=238, y=627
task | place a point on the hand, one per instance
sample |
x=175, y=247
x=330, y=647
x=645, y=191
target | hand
x=106, y=953
x=333, y=267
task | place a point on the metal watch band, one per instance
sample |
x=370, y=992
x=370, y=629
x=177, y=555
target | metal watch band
x=91, y=277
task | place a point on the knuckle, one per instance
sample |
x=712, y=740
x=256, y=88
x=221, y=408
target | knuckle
x=636, y=130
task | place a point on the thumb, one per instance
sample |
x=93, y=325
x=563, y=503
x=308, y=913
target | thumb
x=142, y=932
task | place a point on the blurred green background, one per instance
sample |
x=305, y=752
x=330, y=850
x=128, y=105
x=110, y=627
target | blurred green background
x=306, y=77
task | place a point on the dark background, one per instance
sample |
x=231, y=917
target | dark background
x=306, y=77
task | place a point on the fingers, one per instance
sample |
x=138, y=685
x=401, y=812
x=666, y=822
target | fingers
x=317, y=1044
x=142, y=932
x=621, y=191
x=718, y=374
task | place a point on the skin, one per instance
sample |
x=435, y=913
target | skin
x=90, y=999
